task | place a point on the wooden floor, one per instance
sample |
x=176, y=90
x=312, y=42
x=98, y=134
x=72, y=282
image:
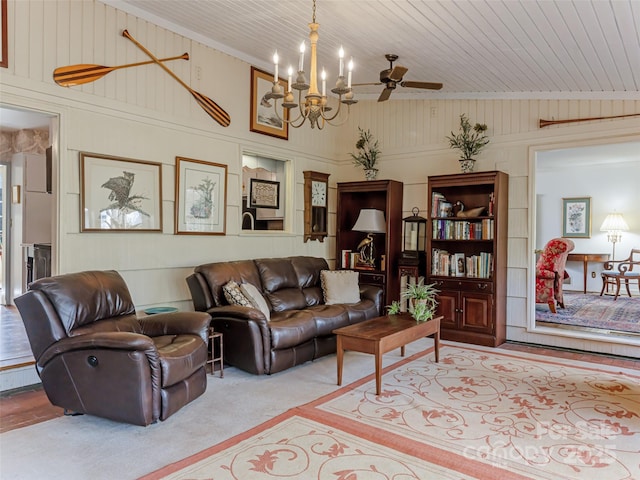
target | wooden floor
x=27, y=407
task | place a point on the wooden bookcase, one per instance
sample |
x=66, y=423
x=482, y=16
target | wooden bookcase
x=385, y=195
x=472, y=299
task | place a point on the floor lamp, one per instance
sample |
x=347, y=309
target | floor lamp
x=614, y=225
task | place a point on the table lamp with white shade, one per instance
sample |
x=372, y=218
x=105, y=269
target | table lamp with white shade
x=370, y=221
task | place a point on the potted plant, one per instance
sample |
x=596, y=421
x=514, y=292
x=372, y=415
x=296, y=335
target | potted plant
x=394, y=308
x=422, y=299
x=368, y=153
x=470, y=141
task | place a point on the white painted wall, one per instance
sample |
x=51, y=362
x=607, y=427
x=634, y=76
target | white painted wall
x=142, y=113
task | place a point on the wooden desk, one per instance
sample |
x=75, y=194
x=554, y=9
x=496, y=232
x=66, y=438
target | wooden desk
x=585, y=258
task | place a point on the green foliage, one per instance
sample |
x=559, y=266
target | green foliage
x=368, y=151
x=470, y=141
x=422, y=299
x=394, y=308
x=423, y=312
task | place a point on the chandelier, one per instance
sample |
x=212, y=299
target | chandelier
x=314, y=106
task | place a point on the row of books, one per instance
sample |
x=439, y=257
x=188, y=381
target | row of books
x=463, y=230
x=448, y=264
x=349, y=259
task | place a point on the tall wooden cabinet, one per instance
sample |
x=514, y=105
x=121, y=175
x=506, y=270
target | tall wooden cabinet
x=385, y=195
x=467, y=255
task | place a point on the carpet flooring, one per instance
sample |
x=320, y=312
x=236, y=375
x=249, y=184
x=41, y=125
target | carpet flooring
x=479, y=413
x=591, y=310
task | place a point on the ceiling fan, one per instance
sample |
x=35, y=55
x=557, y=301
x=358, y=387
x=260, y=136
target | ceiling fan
x=392, y=77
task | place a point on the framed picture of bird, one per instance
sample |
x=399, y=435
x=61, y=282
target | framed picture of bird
x=120, y=194
x=201, y=197
x=267, y=115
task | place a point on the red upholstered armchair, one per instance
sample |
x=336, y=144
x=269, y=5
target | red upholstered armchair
x=550, y=272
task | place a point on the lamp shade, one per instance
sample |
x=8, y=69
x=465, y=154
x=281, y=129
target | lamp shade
x=614, y=223
x=370, y=220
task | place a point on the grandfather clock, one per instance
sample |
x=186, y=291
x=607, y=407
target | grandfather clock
x=316, y=190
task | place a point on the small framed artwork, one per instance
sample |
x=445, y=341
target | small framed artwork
x=4, y=61
x=264, y=118
x=264, y=194
x=120, y=194
x=201, y=197
x=576, y=217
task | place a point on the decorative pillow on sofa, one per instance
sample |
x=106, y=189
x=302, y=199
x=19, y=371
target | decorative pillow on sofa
x=234, y=295
x=256, y=299
x=340, y=286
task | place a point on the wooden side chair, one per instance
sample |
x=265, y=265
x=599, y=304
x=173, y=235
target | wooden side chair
x=621, y=271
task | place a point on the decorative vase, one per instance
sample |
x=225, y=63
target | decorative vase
x=371, y=173
x=467, y=164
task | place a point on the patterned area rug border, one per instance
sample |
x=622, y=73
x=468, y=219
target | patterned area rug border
x=341, y=431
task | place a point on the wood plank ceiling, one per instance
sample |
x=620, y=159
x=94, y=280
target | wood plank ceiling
x=476, y=48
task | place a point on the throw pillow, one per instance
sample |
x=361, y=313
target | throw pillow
x=255, y=297
x=340, y=286
x=234, y=295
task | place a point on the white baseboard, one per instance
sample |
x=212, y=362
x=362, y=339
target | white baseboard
x=18, y=377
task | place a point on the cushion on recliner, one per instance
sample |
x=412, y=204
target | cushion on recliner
x=86, y=297
x=180, y=356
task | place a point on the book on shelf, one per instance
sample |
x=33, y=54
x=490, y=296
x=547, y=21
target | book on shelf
x=436, y=198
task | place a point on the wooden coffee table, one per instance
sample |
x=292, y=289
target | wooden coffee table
x=383, y=334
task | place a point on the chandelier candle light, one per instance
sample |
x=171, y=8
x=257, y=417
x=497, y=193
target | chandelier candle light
x=314, y=107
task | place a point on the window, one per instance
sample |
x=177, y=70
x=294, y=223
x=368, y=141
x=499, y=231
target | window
x=265, y=196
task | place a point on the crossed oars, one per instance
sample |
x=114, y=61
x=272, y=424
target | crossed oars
x=86, y=72
x=208, y=105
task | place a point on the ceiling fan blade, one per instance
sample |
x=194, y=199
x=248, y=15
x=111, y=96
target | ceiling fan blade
x=428, y=85
x=365, y=84
x=397, y=73
x=386, y=93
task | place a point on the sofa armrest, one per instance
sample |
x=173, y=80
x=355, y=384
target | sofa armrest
x=176, y=323
x=126, y=341
x=550, y=274
x=373, y=293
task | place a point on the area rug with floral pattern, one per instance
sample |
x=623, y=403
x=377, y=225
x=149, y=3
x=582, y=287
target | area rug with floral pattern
x=594, y=311
x=478, y=413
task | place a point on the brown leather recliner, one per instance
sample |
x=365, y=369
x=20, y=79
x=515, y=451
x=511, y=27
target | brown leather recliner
x=95, y=356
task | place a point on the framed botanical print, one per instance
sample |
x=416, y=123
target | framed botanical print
x=120, y=194
x=264, y=194
x=576, y=217
x=263, y=115
x=201, y=197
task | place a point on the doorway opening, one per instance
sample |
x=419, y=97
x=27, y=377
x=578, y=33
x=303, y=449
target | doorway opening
x=606, y=175
x=28, y=215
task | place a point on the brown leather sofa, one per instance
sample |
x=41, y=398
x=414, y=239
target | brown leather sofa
x=95, y=356
x=300, y=324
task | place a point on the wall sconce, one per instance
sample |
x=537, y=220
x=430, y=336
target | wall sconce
x=371, y=221
x=614, y=225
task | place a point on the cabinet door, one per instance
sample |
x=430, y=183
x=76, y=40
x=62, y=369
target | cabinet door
x=447, y=307
x=477, y=312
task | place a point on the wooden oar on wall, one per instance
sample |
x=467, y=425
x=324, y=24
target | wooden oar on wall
x=208, y=105
x=86, y=72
